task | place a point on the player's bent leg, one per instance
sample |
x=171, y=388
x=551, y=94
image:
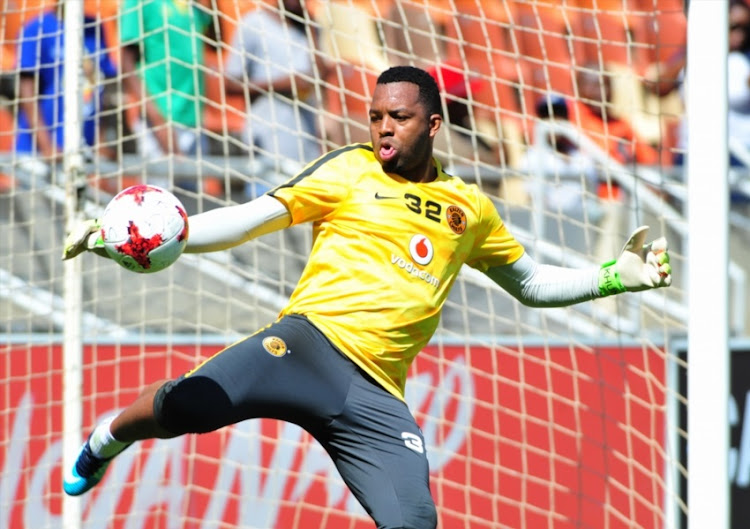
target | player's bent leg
x=260, y=376
x=137, y=422
x=196, y=404
x=380, y=453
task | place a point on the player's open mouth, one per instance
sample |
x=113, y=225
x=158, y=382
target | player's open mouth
x=387, y=152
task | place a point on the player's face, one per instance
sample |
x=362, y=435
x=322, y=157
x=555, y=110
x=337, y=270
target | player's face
x=402, y=131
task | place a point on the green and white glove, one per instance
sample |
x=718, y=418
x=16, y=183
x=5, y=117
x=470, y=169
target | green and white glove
x=639, y=267
x=86, y=236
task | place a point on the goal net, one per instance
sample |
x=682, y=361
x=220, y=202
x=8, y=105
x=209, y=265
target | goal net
x=567, y=114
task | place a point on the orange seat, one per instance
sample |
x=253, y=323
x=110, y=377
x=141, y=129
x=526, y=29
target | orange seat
x=665, y=32
x=537, y=35
x=15, y=14
x=7, y=56
x=605, y=38
x=7, y=129
x=483, y=40
x=542, y=35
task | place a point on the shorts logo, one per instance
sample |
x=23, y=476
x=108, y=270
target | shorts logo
x=413, y=442
x=421, y=249
x=275, y=346
x=456, y=219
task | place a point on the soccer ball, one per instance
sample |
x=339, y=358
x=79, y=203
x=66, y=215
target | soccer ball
x=144, y=228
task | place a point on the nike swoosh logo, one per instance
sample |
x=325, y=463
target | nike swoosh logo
x=378, y=196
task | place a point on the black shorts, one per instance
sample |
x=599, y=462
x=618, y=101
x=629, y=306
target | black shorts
x=290, y=371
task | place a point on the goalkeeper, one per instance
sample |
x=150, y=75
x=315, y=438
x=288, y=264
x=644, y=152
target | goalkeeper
x=391, y=232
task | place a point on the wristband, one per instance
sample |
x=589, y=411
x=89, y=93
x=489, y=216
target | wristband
x=96, y=245
x=609, y=279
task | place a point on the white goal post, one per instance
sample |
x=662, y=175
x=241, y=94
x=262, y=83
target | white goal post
x=708, y=330
x=554, y=419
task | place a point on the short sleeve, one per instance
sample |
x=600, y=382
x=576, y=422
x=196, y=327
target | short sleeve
x=202, y=18
x=30, y=48
x=318, y=191
x=495, y=245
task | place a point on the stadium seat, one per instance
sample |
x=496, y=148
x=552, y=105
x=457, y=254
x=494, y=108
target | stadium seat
x=493, y=60
x=604, y=37
x=664, y=31
x=485, y=44
x=12, y=19
x=543, y=35
x=7, y=128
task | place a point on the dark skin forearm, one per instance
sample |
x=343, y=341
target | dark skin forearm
x=132, y=85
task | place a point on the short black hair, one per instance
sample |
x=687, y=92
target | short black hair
x=429, y=93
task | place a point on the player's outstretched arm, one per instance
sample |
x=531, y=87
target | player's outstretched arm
x=639, y=267
x=223, y=228
x=214, y=230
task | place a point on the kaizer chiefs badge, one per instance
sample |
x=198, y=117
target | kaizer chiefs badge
x=456, y=219
x=275, y=346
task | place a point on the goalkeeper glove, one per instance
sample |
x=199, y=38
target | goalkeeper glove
x=85, y=236
x=639, y=267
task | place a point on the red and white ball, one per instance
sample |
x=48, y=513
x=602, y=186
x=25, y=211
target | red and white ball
x=144, y=228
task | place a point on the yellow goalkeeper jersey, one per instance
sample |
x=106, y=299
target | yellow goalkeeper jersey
x=385, y=254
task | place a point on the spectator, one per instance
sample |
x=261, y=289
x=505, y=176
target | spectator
x=562, y=172
x=738, y=79
x=416, y=35
x=273, y=64
x=161, y=40
x=560, y=157
x=662, y=79
x=39, y=139
x=591, y=113
x=462, y=117
x=738, y=85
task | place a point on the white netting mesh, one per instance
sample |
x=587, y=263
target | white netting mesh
x=557, y=418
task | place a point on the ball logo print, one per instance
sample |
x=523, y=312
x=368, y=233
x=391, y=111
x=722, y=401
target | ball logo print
x=144, y=228
x=421, y=250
